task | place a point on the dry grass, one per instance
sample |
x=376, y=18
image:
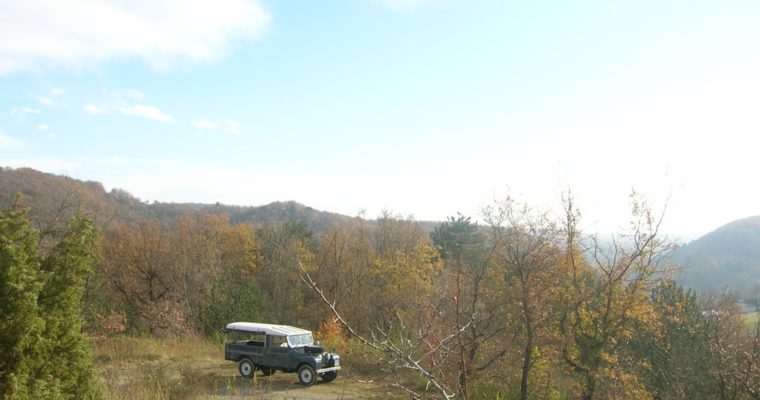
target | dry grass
x=192, y=368
x=143, y=368
x=751, y=320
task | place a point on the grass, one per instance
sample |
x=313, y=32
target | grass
x=750, y=320
x=193, y=368
x=143, y=367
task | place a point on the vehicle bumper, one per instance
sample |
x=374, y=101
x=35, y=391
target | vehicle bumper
x=323, y=370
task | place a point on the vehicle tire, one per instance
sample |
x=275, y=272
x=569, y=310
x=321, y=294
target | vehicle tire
x=266, y=371
x=246, y=368
x=306, y=375
x=329, y=376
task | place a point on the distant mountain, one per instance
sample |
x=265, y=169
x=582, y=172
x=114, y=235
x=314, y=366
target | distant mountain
x=726, y=257
x=53, y=198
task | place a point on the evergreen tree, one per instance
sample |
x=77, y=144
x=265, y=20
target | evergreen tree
x=44, y=353
x=20, y=284
x=676, y=353
x=67, y=365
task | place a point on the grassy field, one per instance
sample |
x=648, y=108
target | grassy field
x=189, y=368
x=751, y=319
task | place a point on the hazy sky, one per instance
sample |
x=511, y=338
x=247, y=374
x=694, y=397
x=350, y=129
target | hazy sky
x=419, y=107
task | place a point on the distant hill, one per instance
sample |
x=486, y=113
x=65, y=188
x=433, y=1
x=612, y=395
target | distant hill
x=726, y=257
x=53, y=197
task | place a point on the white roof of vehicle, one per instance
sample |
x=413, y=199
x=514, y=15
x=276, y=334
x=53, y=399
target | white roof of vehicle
x=269, y=329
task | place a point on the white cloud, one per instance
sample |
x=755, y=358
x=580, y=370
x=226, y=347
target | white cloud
x=203, y=123
x=145, y=111
x=134, y=94
x=121, y=102
x=19, y=111
x=56, y=92
x=227, y=126
x=45, y=101
x=232, y=127
x=403, y=5
x=43, y=127
x=93, y=109
x=9, y=143
x=40, y=34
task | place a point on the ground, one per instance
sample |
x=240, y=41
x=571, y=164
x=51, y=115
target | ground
x=187, y=368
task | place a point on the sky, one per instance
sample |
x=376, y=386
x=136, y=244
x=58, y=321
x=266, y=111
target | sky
x=425, y=108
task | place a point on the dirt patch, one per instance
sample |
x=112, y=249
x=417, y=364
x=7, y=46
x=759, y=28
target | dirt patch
x=283, y=386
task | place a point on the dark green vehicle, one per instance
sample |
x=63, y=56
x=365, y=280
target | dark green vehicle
x=271, y=348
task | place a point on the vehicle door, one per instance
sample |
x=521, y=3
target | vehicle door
x=277, y=352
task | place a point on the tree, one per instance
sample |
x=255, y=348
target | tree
x=20, y=285
x=279, y=250
x=472, y=287
x=734, y=350
x=65, y=270
x=174, y=278
x=608, y=300
x=45, y=353
x=141, y=266
x=528, y=253
x=675, y=355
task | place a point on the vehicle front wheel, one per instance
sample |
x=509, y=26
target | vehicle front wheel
x=246, y=368
x=329, y=376
x=306, y=375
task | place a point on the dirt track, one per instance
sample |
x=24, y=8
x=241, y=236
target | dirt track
x=282, y=386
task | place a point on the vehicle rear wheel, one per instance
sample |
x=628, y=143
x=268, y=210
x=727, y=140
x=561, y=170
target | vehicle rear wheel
x=246, y=368
x=306, y=375
x=329, y=376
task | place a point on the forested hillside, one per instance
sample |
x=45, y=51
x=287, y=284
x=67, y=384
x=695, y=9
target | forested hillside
x=728, y=257
x=53, y=197
x=520, y=305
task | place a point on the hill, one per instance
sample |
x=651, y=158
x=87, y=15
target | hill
x=726, y=257
x=53, y=198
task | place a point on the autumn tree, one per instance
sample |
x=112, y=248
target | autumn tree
x=182, y=277
x=470, y=282
x=342, y=266
x=140, y=265
x=529, y=257
x=608, y=301
x=734, y=349
x=402, y=268
x=217, y=271
x=280, y=248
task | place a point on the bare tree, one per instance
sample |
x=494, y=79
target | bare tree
x=419, y=350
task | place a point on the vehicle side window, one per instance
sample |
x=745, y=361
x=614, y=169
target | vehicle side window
x=279, y=341
x=257, y=339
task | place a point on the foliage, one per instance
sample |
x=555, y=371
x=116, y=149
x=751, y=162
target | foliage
x=41, y=310
x=20, y=284
x=674, y=356
x=524, y=305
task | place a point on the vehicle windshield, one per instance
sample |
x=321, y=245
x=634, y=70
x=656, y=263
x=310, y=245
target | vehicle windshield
x=300, y=340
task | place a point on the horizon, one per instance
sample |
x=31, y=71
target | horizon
x=426, y=108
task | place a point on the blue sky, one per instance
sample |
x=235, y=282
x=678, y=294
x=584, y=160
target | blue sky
x=421, y=107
